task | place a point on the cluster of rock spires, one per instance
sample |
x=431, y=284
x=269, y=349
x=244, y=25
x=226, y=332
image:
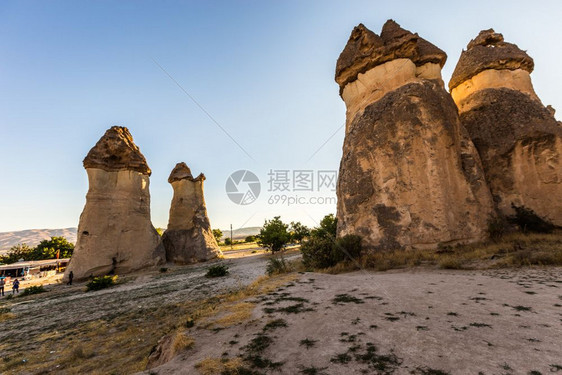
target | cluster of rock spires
x=115, y=233
x=414, y=173
x=420, y=167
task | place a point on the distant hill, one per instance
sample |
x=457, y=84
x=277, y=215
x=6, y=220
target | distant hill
x=32, y=237
x=240, y=233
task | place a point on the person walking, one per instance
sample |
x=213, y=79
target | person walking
x=70, y=277
x=16, y=286
x=2, y=284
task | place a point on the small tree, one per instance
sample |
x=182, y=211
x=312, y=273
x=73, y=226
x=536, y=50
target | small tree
x=299, y=231
x=227, y=241
x=328, y=227
x=17, y=252
x=218, y=234
x=274, y=234
x=250, y=239
x=48, y=249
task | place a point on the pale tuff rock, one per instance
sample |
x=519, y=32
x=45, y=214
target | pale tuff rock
x=189, y=237
x=518, y=139
x=115, y=234
x=409, y=177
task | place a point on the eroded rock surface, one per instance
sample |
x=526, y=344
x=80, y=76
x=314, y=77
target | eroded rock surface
x=410, y=176
x=115, y=234
x=518, y=139
x=188, y=238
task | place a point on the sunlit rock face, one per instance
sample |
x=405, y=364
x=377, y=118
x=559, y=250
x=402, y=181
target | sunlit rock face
x=409, y=177
x=115, y=234
x=189, y=237
x=518, y=139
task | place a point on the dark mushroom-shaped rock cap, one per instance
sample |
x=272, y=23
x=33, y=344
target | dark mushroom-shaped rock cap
x=116, y=151
x=489, y=51
x=365, y=50
x=182, y=172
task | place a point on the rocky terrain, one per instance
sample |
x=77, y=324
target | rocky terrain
x=116, y=327
x=406, y=322
x=416, y=321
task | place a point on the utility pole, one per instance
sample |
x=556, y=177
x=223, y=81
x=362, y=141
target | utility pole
x=230, y=236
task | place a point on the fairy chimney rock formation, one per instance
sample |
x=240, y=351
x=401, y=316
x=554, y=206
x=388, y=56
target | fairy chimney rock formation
x=115, y=234
x=409, y=177
x=518, y=139
x=188, y=238
x=371, y=66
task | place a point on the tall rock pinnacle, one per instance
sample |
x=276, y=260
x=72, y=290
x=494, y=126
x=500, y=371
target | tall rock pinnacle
x=115, y=234
x=189, y=237
x=518, y=139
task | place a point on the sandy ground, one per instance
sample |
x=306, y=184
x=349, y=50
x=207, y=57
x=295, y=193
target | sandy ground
x=419, y=321
x=66, y=306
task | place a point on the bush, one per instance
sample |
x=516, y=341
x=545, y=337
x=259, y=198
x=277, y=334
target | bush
x=163, y=269
x=227, y=241
x=496, y=228
x=322, y=252
x=218, y=270
x=348, y=248
x=36, y=289
x=101, y=282
x=250, y=239
x=277, y=266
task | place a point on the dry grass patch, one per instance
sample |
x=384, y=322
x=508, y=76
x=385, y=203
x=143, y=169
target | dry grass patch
x=230, y=308
x=216, y=366
x=182, y=341
x=512, y=250
x=6, y=314
x=231, y=315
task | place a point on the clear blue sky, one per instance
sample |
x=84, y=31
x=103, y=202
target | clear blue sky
x=263, y=69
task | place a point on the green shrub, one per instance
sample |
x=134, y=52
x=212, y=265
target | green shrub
x=36, y=289
x=163, y=269
x=322, y=252
x=347, y=248
x=317, y=253
x=496, y=228
x=276, y=266
x=218, y=270
x=101, y=282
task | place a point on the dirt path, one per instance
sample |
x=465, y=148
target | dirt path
x=421, y=322
x=43, y=323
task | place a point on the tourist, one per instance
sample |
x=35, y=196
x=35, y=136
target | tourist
x=70, y=277
x=16, y=286
x=2, y=283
